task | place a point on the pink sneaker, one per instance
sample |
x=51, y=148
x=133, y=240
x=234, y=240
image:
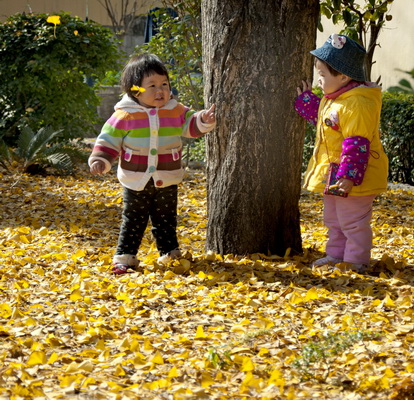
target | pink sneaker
x=123, y=262
x=120, y=269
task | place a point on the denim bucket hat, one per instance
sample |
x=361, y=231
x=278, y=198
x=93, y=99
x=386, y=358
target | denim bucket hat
x=344, y=55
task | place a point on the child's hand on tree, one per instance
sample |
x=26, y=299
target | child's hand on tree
x=306, y=85
x=209, y=116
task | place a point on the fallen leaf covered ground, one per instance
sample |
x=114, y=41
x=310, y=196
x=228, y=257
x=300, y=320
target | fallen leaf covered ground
x=204, y=327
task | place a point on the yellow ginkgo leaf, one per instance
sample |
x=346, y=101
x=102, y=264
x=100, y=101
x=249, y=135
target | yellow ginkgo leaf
x=53, y=358
x=206, y=380
x=173, y=373
x=157, y=359
x=247, y=364
x=312, y=294
x=5, y=310
x=36, y=358
x=119, y=371
x=43, y=231
x=388, y=302
x=276, y=378
x=76, y=295
x=135, y=88
x=54, y=19
x=200, y=333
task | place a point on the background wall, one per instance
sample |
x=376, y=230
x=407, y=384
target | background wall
x=396, y=40
x=80, y=8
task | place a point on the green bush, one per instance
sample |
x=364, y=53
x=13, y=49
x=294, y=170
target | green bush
x=43, y=70
x=194, y=149
x=397, y=128
x=35, y=155
x=309, y=144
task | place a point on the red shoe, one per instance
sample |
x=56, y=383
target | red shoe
x=120, y=269
x=123, y=262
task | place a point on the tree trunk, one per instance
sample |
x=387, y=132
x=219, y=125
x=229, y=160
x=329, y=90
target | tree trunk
x=255, y=55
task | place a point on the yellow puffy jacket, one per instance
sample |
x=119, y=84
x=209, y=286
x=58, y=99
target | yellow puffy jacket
x=355, y=112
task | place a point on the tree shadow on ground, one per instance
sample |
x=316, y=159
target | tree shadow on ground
x=382, y=277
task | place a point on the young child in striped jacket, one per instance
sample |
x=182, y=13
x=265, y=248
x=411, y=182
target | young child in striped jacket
x=145, y=134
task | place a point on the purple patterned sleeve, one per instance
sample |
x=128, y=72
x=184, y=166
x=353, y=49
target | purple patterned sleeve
x=354, y=159
x=306, y=105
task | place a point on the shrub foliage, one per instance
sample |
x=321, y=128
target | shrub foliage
x=43, y=66
x=397, y=127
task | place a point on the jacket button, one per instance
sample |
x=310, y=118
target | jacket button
x=153, y=152
x=159, y=182
x=153, y=111
x=152, y=169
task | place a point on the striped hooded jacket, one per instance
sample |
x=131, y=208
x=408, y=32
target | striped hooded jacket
x=147, y=142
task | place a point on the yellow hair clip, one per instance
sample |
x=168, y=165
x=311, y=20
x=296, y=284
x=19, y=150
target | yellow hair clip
x=137, y=89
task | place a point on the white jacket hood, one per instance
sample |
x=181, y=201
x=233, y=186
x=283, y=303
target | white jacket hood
x=131, y=106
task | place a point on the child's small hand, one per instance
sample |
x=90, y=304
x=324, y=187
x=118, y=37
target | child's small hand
x=345, y=185
x=209, y=116
x=306, y=85
x=97, y=167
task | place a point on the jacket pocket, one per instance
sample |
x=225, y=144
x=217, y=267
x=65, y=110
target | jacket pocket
x=127, y=153
x=176, y=152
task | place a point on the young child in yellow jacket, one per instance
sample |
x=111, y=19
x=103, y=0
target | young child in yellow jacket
x=347, y=122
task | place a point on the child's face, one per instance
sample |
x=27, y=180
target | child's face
x=326, y=81
x=157, y=91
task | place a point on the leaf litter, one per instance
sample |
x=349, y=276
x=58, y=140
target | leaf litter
x=206, y=326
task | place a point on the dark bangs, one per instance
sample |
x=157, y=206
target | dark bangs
x=333, y=72
x=139, y=67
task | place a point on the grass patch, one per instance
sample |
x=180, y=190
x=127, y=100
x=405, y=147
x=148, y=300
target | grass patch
x=326, y=350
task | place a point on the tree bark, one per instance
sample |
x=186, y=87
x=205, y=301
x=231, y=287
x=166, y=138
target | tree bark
x=255, y=54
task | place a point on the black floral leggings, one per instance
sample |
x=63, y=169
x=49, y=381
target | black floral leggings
x=159, y=204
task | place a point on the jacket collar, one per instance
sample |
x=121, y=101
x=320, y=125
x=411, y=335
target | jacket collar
x=129, y=105
x=349, y=86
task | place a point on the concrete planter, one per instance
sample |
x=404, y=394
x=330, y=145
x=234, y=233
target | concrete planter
x=110, y=95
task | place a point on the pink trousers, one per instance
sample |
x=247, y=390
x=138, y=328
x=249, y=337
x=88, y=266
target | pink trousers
x=348, y=220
